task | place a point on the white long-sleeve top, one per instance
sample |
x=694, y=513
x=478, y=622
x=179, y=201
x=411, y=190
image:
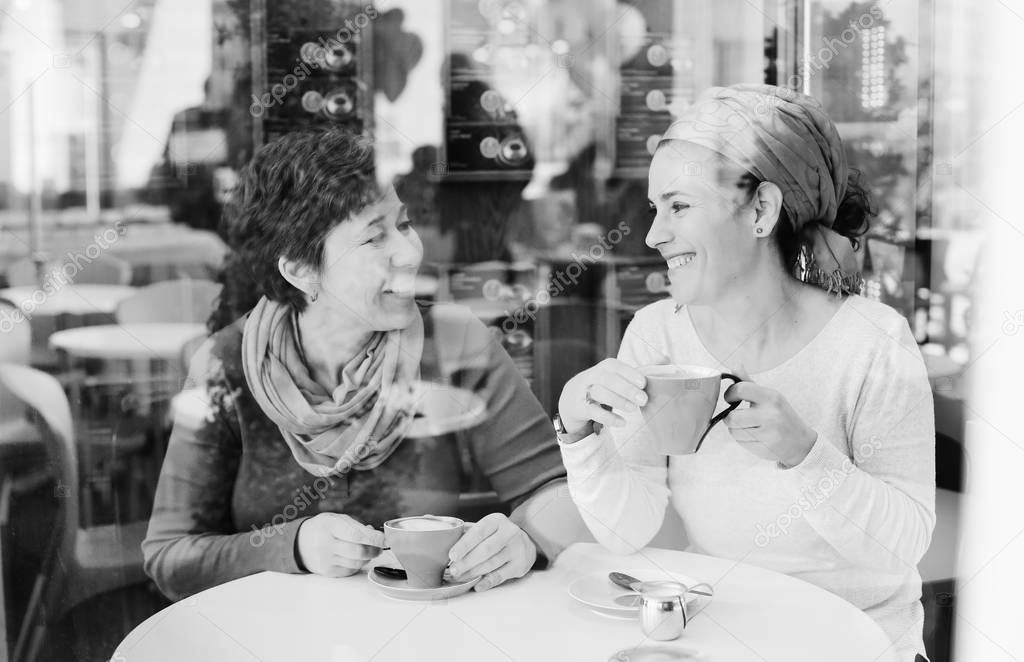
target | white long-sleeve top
x=855, y=517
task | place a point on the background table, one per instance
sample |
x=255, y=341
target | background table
x=127, y=341
x=69, y=299
x=155, y=251
x=756, y=615
x=141, y=359
x=69, y=307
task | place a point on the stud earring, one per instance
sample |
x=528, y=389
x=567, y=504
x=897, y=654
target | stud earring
x=758, y=230
x=313, y=297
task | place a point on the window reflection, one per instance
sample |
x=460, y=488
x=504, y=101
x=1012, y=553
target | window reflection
x=518, y=133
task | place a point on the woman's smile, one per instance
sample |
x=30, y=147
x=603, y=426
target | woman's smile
x=680, y=260
x=402, y=286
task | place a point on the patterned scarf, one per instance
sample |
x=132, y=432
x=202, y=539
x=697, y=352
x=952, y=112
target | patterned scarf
x=358, y=424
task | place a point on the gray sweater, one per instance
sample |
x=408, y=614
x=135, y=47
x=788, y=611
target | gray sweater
x=231, y=497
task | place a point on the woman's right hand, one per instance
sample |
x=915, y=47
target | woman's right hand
x=589, y=395
x=337, y=545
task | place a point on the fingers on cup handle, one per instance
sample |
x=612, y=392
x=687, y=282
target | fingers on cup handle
x=735, y=392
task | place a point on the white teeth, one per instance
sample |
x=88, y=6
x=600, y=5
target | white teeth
x=403, y=285
x=680, y=260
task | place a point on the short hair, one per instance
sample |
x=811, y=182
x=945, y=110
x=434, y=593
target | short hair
x=292, y=193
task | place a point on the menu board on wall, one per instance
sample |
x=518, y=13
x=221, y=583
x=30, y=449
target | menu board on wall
x=482, y=135
x=315, y=63
x=652, y=81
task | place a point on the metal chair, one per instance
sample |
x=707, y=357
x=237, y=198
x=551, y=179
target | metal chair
x=80, y=562
x=182, y=300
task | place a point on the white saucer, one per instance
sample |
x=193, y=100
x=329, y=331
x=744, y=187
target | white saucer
x=603, y=597
x=655, y=652
x=400, y=589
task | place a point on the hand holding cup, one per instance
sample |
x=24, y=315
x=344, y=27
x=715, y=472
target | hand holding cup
x=495, y=549
x=594, y=393
x=336, y=545
x=770, y=427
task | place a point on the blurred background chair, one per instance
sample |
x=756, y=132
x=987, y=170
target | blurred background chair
x=22, y=273
x=123, y=405
x=22, y=458
x=938, y=567
x=79, y=562
x=188, y=352
x=182, y=300
x=100, y=270
x=21, y=446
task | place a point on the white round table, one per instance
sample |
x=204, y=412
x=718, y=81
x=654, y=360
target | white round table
x=127, y=341
x=756, y=615
x=69, y=299
x=133, y=354
x=441, y=409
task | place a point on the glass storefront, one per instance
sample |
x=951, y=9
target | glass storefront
x=517, y=132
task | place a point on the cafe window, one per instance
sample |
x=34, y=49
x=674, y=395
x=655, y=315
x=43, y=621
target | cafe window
x=518, y=133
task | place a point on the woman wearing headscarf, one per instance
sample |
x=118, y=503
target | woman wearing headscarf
x=316, y=429
x=826, y=470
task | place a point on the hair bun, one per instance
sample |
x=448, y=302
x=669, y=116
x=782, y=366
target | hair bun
x=853, y=218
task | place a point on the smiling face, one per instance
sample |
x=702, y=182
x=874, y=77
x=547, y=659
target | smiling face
x=702, y=224
x=369, y=266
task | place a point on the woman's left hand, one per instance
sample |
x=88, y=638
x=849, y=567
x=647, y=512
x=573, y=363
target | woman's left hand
x=770, y=421
x=494, y=548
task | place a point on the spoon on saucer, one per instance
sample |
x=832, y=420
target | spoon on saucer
x=630, y=582
x=395, y=573
x=390, y=573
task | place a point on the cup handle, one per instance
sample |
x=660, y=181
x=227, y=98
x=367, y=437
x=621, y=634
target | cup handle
x=684, y=610
x=703, y=588
x=698, y=596
x=722, y=414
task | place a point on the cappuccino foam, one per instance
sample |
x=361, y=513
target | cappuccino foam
x=425, y=524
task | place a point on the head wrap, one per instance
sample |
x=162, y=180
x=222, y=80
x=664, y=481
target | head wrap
x=786, y=138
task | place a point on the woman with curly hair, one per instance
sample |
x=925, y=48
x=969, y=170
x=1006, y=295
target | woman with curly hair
x=310, y=377
x=827, y=471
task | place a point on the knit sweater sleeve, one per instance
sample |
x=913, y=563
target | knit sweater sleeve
x=192, y=542
x=878, y=509
x=616, y=479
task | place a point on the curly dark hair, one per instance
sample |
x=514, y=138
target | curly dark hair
x=292, y=193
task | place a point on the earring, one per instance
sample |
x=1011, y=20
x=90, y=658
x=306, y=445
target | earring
x=759, y=230
x=313, y=297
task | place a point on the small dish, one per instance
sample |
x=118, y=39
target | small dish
x=400, y=589
x=441, y=409
x=599, y=594
x=657, y=653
